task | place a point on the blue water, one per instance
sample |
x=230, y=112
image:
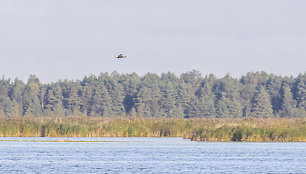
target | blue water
x=149, y=155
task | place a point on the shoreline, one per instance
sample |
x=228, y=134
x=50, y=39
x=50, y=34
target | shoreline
x=70, y=140
x=210, y=130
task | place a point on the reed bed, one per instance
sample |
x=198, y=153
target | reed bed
x=243, y=129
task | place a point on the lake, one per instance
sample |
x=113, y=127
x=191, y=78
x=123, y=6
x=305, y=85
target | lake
x=148, y=155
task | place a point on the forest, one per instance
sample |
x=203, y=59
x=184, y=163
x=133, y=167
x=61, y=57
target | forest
x=187, y=96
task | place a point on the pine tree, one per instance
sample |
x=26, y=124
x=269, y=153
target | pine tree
x=116, y=94
x=193, y=78
x=54, y=102
x=184, y=97
x=206, y=100
x=5, y=102
x=31, y=102
x=273, y=88
x=148, y=97
x=16, y=91
x=193, y=109
x=101, y=102
x=261, y=104
x=300, y=91
x=235, y=109
x=221, y=108
x=167, y=101
x=86, y=97
x=288, y=103
x=227, y=92
x=74, y=101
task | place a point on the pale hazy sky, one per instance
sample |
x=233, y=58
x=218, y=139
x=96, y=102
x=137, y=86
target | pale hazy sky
x=68, y=39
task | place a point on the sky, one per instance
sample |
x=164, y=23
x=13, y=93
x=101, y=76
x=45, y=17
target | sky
x=68, y=39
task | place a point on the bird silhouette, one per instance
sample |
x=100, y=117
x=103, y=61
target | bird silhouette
x=120, y=56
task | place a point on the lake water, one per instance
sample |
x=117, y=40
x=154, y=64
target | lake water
x=149, y=155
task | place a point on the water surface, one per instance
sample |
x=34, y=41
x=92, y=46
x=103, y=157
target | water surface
x=149, y=155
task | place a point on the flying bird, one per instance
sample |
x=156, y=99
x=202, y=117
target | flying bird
x=120, y=56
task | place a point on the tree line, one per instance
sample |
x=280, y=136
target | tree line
x=189, y=95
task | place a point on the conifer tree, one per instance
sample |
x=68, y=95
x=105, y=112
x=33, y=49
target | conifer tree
x=167, y=101
x=262, y=107
x=31, y=102
x=193, y=78
x=5, y=102
x=207, y=98
x=227, y=94
x=288, y=103
x=221, y=107
x=300, y=91
x=54, y=101
x=273, y=88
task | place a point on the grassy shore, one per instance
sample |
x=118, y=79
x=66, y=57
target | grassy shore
x=247, y=129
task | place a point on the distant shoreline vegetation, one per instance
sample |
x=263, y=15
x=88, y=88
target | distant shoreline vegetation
x=205, y=129
x=190, y=95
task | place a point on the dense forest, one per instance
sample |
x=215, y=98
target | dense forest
x=190, y=95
